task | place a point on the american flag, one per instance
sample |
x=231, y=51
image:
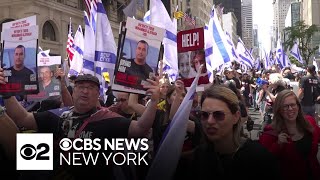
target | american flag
x=88, y=4
x=70, y=49
x=189, y=19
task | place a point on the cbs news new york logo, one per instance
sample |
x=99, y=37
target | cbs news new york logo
x=34, y=151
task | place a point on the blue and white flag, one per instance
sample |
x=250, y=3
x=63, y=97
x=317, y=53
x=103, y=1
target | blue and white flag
x=43, y=53
x=244, y=55
x=106, y=49
x=281, y=56
x=267, y=63
x=166, y=160
x=89, y=47
x=76, y=62
x=147, y=18
x=217, y=51
x=257, y=64
x=295, y=52
x=161, y=18
x=233, y=49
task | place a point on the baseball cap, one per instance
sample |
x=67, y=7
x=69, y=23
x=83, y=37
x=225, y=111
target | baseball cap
x=87, y=77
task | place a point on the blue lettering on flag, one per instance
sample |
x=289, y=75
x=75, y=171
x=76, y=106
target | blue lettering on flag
x=105, y=57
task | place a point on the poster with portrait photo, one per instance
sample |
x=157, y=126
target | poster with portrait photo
x=191, y=56
x=19, y=61
x=139, y=56
x=49, y=86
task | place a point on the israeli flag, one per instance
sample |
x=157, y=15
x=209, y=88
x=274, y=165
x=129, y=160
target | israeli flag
x=76, y=63
x=244, y=55
x=161, y=18
x=267, y=63
x=217, y=51
x=147, y=18
x=281, y=56
x=295, y=52
x=106, y=49
x=43, y=53
x=233, y=49
x=89, y=47
x=166, y=160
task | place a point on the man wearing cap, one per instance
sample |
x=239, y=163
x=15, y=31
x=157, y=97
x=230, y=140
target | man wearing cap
x=84, y=120
x=230, y=76
x=309, y=91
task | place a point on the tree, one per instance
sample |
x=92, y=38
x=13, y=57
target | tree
x=303, y=33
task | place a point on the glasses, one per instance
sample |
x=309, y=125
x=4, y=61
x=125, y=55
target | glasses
x=287, y=106
x=217, y=115
x=90, y=88
x=120, y=100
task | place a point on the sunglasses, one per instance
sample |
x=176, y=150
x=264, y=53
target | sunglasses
x=217, y=115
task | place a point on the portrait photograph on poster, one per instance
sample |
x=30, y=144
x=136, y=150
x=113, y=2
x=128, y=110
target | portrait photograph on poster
x=49, y=86
x=191, y=56
x=139, y=56
x=19, y=57
x=19, y=62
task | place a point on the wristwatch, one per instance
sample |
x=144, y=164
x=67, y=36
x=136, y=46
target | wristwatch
x=2, y=111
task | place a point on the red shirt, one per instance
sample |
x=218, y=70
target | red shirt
x=292, y=164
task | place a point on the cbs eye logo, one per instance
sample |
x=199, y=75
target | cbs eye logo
x=34, y=151
x=65, y=144
x=28, y=151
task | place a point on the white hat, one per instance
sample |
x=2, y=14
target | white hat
x=239, y=71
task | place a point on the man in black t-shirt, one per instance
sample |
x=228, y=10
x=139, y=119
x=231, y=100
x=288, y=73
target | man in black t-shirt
x=19, y=73
x=139, y=67
x=67, y=122
x=308, y=91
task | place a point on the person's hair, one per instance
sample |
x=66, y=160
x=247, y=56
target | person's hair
x=276, y=78
x=278, y=122
x=20, y=47
x=198, y=53
x=144, y=42
x=227, y=96
x=232, y=85
x=170, y=91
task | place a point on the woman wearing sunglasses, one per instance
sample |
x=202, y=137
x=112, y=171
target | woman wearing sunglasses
x=293, y=138
x=224, y=154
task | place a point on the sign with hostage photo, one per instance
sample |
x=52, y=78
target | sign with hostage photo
x=19, y=57
x=191, y=56
x=139, y=56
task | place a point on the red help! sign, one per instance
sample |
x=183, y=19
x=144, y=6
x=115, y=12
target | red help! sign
x=190, y=40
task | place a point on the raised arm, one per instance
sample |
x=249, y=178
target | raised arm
x=134, y=104
x=141, y=127
x=65, y=95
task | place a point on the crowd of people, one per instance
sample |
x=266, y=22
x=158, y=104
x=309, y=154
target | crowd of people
x=215, y=146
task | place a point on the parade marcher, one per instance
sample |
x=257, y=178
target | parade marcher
x=309, y=91
x=228, y=72
x=106, y=124
x=293, y=139
x=224, y=154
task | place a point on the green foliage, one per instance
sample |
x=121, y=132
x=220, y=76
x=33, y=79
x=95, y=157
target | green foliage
x=303, y=33
x=295, y=61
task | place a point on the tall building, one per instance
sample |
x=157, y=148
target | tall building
x=310, y=15
x=229, y=22
x=247, y=25
x=235, y=7
x=200, y=10
x=255, y=36
x=53, y=18
x=280, y=10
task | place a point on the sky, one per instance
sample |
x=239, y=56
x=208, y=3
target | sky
x=262, y=12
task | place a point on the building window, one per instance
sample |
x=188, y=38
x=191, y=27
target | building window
x=48, y=32
x=81, y=5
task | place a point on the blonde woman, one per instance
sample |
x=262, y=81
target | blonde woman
x=293, y=139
